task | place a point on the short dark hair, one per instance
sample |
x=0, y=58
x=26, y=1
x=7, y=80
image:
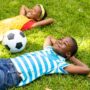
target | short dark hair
x=74, y=47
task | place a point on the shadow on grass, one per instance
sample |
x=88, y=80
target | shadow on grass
x=30, y=47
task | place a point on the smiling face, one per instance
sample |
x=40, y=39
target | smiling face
x=63, y=46
x=34, y=13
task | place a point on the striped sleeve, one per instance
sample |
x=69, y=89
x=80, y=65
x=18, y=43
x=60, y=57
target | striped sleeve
x=62, y=66
x=48, y=48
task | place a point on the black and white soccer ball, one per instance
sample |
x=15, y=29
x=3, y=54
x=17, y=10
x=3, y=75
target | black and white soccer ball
x=14, y=40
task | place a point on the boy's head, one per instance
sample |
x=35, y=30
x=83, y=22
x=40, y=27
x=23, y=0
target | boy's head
x=37, y=12
x=67, y=46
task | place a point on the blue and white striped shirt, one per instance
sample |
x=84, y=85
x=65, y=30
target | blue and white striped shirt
x=35, y=64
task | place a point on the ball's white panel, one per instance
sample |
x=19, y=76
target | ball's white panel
x=13, y=42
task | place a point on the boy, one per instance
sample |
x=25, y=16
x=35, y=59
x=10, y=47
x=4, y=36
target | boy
x=24, y=69
x=27, y=19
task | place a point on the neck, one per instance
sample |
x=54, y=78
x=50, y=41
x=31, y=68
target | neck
x=60, y=53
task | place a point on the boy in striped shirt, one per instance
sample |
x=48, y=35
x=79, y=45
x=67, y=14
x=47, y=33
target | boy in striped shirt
x=26, y=68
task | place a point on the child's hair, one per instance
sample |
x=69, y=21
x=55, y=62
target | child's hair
x=74, y=47
x=44, y=13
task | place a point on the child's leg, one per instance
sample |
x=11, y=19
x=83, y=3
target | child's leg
x=2, y=76
x=8, y=74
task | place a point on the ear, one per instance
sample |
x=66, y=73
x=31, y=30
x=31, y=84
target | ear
x=68, y=55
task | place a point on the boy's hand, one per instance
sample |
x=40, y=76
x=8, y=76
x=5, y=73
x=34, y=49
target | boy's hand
x=49, y=41
x=71, y=58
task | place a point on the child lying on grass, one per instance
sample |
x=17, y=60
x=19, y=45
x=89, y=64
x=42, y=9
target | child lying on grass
x=27, y=19
x=26, y=68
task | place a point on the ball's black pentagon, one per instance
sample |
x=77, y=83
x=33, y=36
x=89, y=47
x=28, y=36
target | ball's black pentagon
x=19, y=45
x=7, y=47
x=22, y=34
x=10, y=36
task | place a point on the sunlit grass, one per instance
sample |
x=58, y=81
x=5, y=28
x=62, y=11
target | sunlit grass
x=72, y=18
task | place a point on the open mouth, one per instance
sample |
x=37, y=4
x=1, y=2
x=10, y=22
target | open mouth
x=29, y=14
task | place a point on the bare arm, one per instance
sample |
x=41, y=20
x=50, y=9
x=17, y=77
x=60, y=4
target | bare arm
x=23, y=10
x=43, y=22
x=49, y=41
x=76, y=61
x=77, y=67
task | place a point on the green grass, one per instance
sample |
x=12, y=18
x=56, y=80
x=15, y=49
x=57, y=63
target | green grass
x=72, y=18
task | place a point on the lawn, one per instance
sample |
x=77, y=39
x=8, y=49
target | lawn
x=72, y=18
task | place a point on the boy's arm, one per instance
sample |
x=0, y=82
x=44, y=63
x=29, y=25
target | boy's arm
x=76, y=61
x=77, y=67
x=23, y=10
x=43, y=22
x=49, y=41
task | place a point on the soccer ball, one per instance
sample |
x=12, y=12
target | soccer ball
x=14, y=40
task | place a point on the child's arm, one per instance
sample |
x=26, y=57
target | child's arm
x=76, y=61
x=23, y=10
x=49, y=41
x=77, y=67
x=43, y=22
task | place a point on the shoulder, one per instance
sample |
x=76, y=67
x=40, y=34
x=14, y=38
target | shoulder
x=62, y=65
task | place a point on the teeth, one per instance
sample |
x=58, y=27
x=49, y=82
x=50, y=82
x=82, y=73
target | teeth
x=29, y=14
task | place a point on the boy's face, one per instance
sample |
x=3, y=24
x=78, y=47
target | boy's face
x=34, y=13
x=63, y=45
